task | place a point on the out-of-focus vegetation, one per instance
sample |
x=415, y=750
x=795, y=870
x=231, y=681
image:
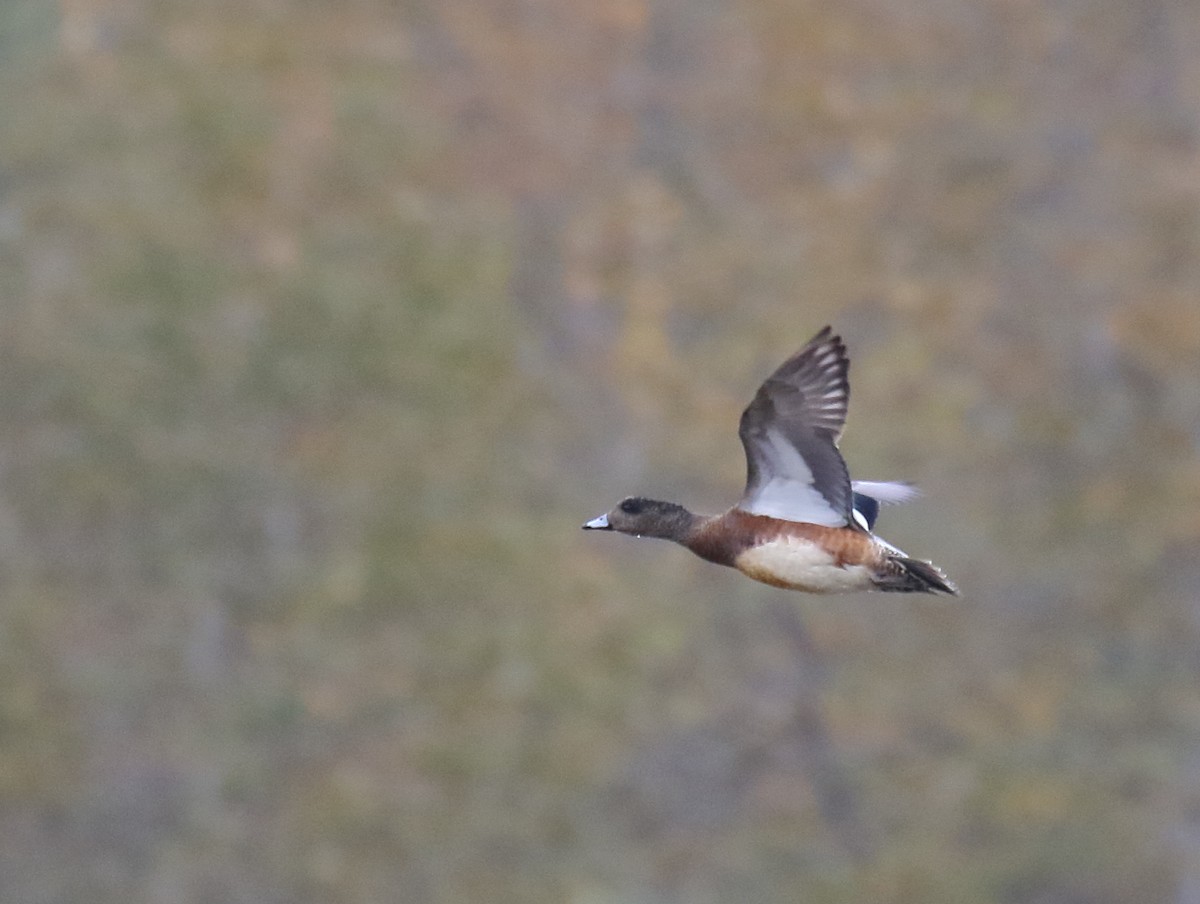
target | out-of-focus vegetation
x=325, y=325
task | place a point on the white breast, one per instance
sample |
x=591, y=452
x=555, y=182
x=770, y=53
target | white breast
x=801, y=565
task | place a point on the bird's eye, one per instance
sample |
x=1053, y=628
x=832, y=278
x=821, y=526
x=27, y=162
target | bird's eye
x=631, y=506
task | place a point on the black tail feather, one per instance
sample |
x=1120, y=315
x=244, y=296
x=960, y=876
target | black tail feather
x=905, y=575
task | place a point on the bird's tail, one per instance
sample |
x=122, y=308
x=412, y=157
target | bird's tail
x=905, y=575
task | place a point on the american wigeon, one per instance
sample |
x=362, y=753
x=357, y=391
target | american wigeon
x=801, y=524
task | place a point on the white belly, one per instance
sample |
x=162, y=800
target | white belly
x=801, y=565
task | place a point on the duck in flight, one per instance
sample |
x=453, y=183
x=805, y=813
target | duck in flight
x=802, y=523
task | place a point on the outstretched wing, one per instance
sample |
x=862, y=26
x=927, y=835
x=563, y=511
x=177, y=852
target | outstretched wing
x=790, y=433
x=869, y=494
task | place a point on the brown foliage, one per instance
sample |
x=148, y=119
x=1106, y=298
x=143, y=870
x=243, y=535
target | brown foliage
x=327, y=324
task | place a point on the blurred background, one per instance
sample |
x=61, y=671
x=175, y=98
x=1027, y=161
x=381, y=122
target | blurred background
x=326, y=325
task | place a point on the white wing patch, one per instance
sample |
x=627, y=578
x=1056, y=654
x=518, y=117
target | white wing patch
x=885, y=491
x=792, y=497
x=792, y=500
